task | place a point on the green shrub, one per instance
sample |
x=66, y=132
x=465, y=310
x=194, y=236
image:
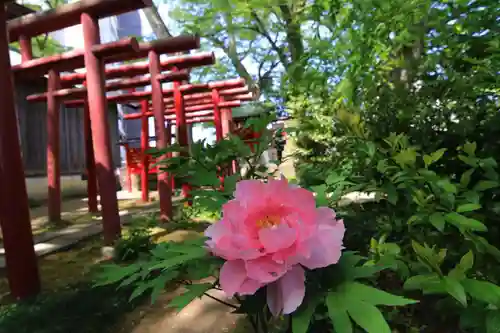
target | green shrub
x=437, y=232
x=136, y=241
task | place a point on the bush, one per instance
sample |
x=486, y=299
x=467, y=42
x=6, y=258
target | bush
x=137, y=240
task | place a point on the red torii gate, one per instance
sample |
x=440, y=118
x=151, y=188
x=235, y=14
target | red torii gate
x=19, y=252
x=126, y=83
x=157, y=47
x=179, y=112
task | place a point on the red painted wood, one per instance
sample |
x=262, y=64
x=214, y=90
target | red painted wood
x=191, y=115
x=25, y=48
x=69, y=15
x=100, y=131
x=164, y=189
x=127, y=44
x=92, y=202
x=168, y=133
x=20, y=258
x=144, y=148
x=217, y=115
x=53, y=149
x=110, y=86
x=67, y=61
x=180, y=62
x=182, y=133
x=234, y=91
x=187, y=89
x=240, y=97
x=226, y=120
x=161, y=46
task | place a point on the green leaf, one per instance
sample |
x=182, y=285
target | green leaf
x=392, y=194
x=368, y=317
x=321, y=199
x=358, y=291
x=427, y=256
x=406, y=157
x=470, y=207
x=193, y=291
x=334, y=178
x=483, y=291
x=139, y=290
x=421, y=282
x=204, y=177
x=434, y=157
x=338, y=313
x=113, y=273
x=158, y=284
x=446, y=185
x=465, y=179
x=455, y=289
x=438, y=221
x=493, y=322
x=461, y=221
x=470, y=148
x=467, y=261
x=484, y=185
x=302, y=318
x=230, y=183
x=179, y=260
x=471, y=161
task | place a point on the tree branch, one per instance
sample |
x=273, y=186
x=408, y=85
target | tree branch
x=263, y=31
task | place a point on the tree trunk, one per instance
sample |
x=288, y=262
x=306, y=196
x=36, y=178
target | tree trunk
x=156, y=22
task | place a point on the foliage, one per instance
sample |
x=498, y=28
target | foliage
x=77, y=309
x=137, y=240
x=420, y=67
x=429, y=227
x=337, y=297
x=409, y=113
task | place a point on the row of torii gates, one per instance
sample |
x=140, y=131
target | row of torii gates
x=183, y=104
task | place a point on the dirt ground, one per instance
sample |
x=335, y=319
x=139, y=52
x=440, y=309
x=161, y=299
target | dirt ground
x=203, y=315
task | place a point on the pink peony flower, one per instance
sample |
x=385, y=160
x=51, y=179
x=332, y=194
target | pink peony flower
x=267, y=233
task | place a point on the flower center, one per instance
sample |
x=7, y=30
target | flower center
x=268, y=221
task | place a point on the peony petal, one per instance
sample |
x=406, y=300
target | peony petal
x=293, y=289
x=274, y=299
x=217, y=229
x=265, y=269
x=277, y=238
x=232, y=276
x=325, y=215
x=249, y=287
x=249, y=192
x=232, y=211
x=325, y=246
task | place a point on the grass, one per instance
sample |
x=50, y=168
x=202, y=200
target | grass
x=78, y=308
x=68, y=303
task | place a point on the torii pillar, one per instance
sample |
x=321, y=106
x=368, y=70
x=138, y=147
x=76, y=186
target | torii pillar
x=144, y=148
x=182, y=133
x=20, y=257
x=164, y=188
x=92, y=203
x=98, y=110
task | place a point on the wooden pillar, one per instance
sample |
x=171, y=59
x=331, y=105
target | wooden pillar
x=20, y=257
x=100, y=130
x=158, y=105
x=226, y=120
x=217, y=114
x=90, y=161
x=53, y=148
x=144, y=148
x=181, y=125
x=25, y=48
x=168, y=132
